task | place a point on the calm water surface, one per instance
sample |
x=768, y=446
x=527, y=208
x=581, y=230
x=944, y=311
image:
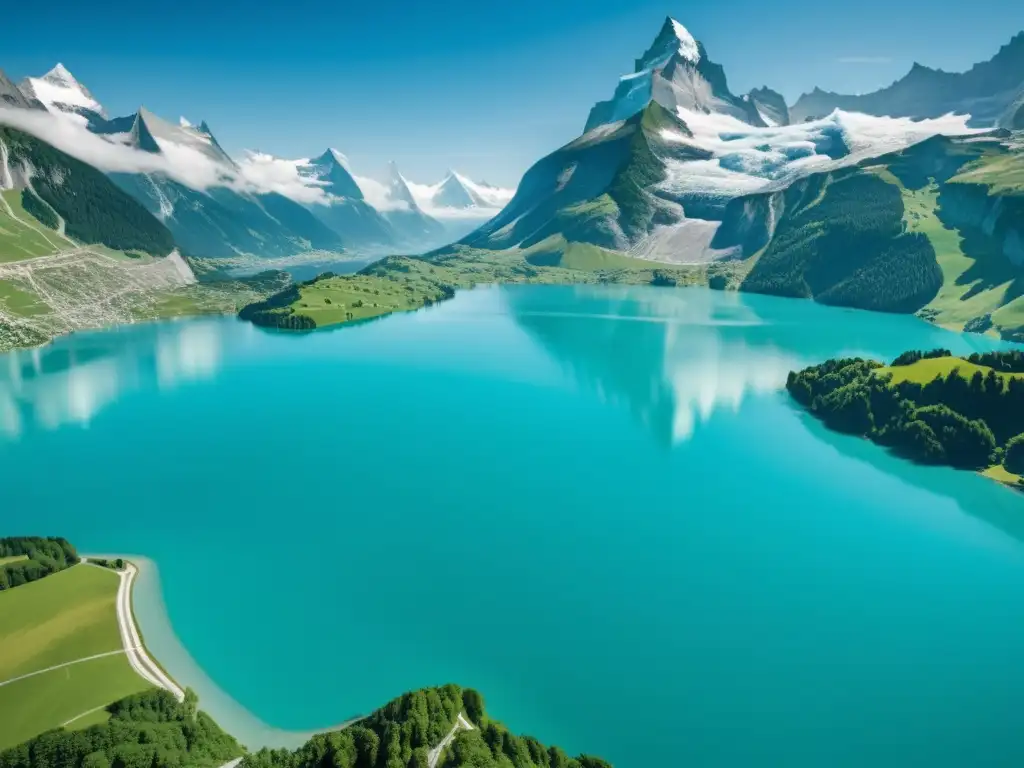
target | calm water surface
x=597, y=505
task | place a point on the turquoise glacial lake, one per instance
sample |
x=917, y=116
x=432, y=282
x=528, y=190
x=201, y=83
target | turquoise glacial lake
x=596, y=505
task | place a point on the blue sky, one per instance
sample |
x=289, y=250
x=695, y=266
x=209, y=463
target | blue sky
x=486, y=88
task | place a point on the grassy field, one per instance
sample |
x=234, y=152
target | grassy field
x=1001, y=173
x=29, y=707
x=956, y=302
x=1002, y=475
x=63, y=617
x=13, y=559
x=399, y=283
x=924, y=371
x=21, y=235
x=97, y=717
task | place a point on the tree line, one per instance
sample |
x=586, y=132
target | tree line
x=147, y=730
x=94, y=209
x=401, y=734
x=44, y=556
x=850, y=248
x=966, y=423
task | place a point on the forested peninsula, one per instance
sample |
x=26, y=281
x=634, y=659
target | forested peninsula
x=930, y=407
x=155, y=730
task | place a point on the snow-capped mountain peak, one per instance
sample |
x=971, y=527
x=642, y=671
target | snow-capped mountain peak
x=337, y=157
x=676, y=73
x=688, y=47
x=184, y=123
x=59, y=91
x=333, y=171
x=399, y=188
x=458, y=196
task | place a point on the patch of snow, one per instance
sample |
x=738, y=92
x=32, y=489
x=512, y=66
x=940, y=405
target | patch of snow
x=184, y=123
x=6, y=179
x=748, y=159
x=688, y=48
x=58, y=86
x=767, y=120
x=494, y=196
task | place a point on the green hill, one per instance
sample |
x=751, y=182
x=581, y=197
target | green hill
x=928, y=406
x=93, y=209
x=937, y=229
x=598, y=189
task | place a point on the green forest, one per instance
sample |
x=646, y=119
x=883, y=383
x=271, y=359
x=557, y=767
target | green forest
x=30, y=558
x=971, y=417
x=848, y=247
x=94, y=209
x=401, y=734
x=148, y=730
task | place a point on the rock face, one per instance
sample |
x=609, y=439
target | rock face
x=985, y=91
x=348, y=213
x=600, y=189
x=770, y=105
x=676, y=73
x=12, y=96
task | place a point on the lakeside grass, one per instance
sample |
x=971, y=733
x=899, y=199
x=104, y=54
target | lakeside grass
x=1001, y=474
x=403, y=283
x=925, y=370
x=66, y=616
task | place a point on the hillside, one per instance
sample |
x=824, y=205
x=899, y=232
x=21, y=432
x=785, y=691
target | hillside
x=222, y=222
x=67, y=194
x=599, y=189
x=408, y=731
x=936, y=229
x=928, y=406
x=77, y=252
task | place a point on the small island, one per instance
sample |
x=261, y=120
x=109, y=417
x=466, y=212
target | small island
x=930, y=407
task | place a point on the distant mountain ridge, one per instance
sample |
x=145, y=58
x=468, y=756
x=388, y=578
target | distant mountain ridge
x=224, y=216
x=984, y=91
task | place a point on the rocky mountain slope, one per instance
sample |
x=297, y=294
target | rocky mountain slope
x=676, y=72
x=984, y=92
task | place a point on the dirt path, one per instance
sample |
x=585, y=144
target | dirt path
x=461, y=724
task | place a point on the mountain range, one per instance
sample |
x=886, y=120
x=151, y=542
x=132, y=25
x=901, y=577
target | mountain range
x=990, y=92
x=910, y=199
x=218, y=207
x=905, y=200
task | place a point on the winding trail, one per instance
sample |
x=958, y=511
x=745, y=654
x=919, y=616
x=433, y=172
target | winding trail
x=461, y=724
x=61, y=666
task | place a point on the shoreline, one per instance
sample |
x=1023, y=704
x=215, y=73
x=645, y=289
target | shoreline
x=159, y=641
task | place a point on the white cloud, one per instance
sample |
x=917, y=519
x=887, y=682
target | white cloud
x=378, y=195
x=176, y=161
x=257, y=172
x=272, y=174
